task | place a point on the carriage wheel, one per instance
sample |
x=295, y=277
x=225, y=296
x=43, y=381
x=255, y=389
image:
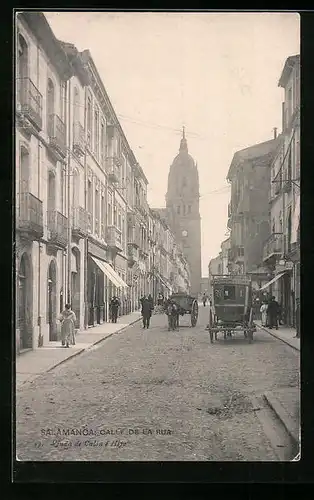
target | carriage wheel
x=250, y=329
x=194, y=313
x=210, y=326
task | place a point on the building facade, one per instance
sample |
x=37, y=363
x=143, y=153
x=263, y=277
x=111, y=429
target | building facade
x=248, y=210
x=183, y=214
x=42, y=215
x=282, y=249
x=84, y=230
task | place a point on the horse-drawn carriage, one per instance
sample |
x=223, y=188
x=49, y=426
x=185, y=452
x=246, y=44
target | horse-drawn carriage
x=231, y=307
x=186, y=304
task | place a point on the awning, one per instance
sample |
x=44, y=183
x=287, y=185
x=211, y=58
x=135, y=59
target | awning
x=279, y=275
x=110, y=273
x=295, y=220
x=164, y=282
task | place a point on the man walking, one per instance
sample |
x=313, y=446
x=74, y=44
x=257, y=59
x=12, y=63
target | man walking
x=147, y=308
x=114, y=307
x=272, y=310
x=204, y=299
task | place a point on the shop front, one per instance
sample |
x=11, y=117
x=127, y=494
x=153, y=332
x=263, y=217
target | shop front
x=102, y=283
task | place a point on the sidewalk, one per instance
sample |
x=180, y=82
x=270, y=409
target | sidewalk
x=31, y=364
x=286, y=405
x=287, y=335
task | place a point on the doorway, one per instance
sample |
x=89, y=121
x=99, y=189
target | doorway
x=75, y=284
x=52, y=301
x=24, y=312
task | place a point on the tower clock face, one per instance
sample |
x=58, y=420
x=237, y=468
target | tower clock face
x=184, y=233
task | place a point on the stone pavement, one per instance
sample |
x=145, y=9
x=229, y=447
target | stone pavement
x=283, y=333
x=31, y=364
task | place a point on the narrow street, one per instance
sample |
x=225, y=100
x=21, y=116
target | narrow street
x=156, y=395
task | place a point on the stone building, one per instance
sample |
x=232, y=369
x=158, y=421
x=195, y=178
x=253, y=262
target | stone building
x=248, y=210
x=42, y=213
x=281, y=253
x=183, y=215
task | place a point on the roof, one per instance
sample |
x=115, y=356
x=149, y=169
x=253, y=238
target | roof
x=288, y=67
x=251, y=153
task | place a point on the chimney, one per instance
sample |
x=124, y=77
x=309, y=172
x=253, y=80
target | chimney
x=275, y=132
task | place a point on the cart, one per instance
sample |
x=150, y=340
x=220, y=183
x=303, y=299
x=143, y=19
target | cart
x=231, y=307
x=187, y=305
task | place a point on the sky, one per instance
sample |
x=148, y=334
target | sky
x=215, y=73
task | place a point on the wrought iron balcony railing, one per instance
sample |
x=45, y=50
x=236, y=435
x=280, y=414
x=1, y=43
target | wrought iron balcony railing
x=57, y=134
x=30, y=215
x=57, y=225
x=273, y=246
x=30, y=100
x=79, y=222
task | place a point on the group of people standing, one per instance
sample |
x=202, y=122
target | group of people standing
x=271, y=313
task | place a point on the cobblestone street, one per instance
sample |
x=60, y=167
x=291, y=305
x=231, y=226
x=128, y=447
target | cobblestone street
x=156, y=395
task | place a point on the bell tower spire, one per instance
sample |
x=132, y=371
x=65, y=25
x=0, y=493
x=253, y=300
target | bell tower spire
x=183, y=143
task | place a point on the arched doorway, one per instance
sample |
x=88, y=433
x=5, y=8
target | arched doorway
x=24, y=303
x=52, y=301
x=75, y=284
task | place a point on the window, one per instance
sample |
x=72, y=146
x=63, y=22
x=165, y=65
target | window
x=119, y=220
x=115, y=216
x=178, y=209
x=97, y=210
x=22, y=67
x=189, y=209
x=273, y=226
x=289, y=103
x=96, y=132
x=24, y=172
x=89, y=120
x=183, y=209
x=90, y=197
x=103, y=141
x=50, y=107
x=229, y=293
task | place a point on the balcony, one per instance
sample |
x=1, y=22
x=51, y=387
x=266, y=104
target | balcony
x=57, y=225
x=78, y=139
x=79, y=222
x=114, y=238
x=273, y=246
x=57, y=135
x=30, y=215
x=113, y=169
x=30, y=100
x=132, y=255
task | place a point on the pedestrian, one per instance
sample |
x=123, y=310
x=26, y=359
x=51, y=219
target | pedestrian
x=67, y=318
x=297, y=318
x=173, y=315
x=272, y=310
x=280, y=315
x=204, y=299
x=263, y=311
x=114, y=308
x=147, y=308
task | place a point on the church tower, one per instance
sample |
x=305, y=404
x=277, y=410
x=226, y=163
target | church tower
x=182, y=202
